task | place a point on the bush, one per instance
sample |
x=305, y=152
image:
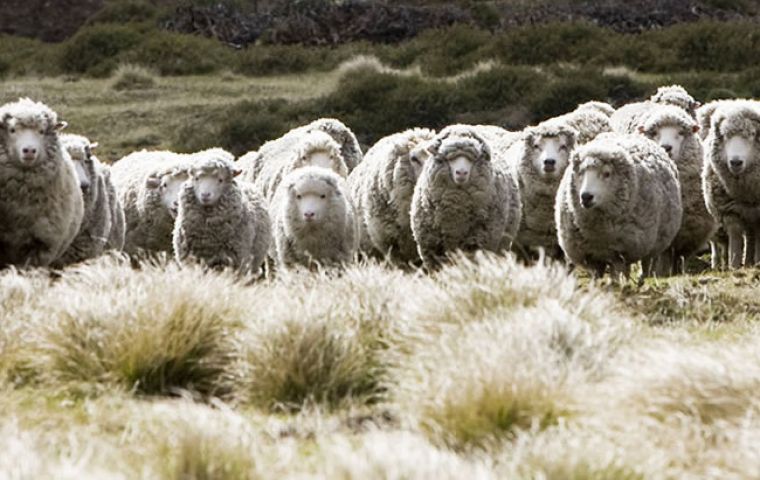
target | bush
x=132, y=77
x=94, y=49
x=178, y=54
x=129, y=11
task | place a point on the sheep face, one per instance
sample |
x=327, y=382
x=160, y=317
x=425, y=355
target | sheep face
x=597, y=185
x=169, y=187
x=312, y=200
x=210, y=185
x=417, y=158
x=320, y=158
x=739, y=153
x=460, y=167
x=26, y=142
x=81, y=154
x=550, y=154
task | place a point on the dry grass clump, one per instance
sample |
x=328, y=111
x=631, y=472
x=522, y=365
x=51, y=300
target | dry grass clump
x=322, y=338
x=159, y=330
x=129, y=76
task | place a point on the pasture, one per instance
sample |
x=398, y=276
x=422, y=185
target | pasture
x=485, y=369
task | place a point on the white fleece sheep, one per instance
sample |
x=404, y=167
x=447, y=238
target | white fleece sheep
x=382, y=187
x=589, y=120
x=619, y=202
x=731, y=176
x=41, y=204
x=463, y=200
x=101, y=216
x=676, y=132
x=314, y=220
x=628, y=117
x=221, y=221
x=254, y=162
x=148, y=186
x=538, y=162
x=312, y=148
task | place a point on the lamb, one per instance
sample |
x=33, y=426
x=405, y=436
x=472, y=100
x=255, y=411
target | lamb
x=221, y=222
x=538, y=163
x=676, y=132
x=101, y=216
x=312, y=148
x=462, y=200
x=619, y=202
x=41, y=205
x=253, y=163
x=730, y=177
x=148, y=186
x=314, y=220
x=382, y=187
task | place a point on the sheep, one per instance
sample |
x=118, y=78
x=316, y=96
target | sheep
x=676, y=96
x=730, y=177
x=220, y=221
x=626, y=118
x=462, y=200
x=314, y=220
x=706, y=111
x=538, y=163
x=601, y=107
x=100, y=215
x=382, y=187
x=41, y=205
x=148, y=184
x=619, y=202
x=118, y=221
x=253, y=163
x=312, y=148
x=588, y=120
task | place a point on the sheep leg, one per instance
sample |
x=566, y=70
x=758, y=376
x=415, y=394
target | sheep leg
x=620, y=271
x=756, y=246
x=749, y=251
x=735, y=245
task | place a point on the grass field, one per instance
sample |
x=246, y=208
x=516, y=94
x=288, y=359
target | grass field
x=487, y=369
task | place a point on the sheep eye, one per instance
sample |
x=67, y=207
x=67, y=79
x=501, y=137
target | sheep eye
x=298, y=197
x=606, y=174
x=221, y=180
x=42, y=132
x=322, y=196
x=563, y=147
x=12, y=130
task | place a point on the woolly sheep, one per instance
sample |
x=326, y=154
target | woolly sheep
x=253, y=163
x=589, y=120
x=41, y=204
x=382, y=187
x=101, y=216
x=462, y=200
x=314, y=220
x=676, y=132
x=221, y=222
x=312, y=148
x=628, y=117
x=601, y=107
x=706, y=111
x=619, y=202
x=730, y=177
x=148, y=184
x=538, y=163
x=118, y=221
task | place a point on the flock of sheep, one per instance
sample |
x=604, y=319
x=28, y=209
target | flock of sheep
x=654, y=181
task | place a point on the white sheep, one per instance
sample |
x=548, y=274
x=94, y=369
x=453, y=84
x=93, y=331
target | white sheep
x=676, y=132
x=101, y=216
x=538, y=162
x=314, y=220
x=382, y=187
x=221, y=222
x=462, y=200
x=730, y=177
x=628, y=117
x=312, y=148
x=676, y=96
x=619, y=202
x=589, y=120
x=148, y=184
x=41, y=204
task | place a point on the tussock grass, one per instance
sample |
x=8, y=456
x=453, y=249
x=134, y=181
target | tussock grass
x=133, y=77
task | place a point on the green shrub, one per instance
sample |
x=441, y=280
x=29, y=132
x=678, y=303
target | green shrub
x=552, y=43
x=498, y=87
x=564, y=94
x=177, y=54
x=94, y=49
x=129, y=11
x=281, y=59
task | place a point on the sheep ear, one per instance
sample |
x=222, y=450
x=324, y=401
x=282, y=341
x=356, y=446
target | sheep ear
x=152, y=182
x=4, y=120
x=695, y=128
x=61, y=125
x=642, y=130
x=529, y=139
x=235, y=172
x=94, y=145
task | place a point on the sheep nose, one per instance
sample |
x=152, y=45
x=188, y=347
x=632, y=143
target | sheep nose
x=736, y=162
x=668, y=148
x=550, y=162
x=205, y=196
x=85, y=187
x=308, y=215
x=587, y=199
x=29, y=151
